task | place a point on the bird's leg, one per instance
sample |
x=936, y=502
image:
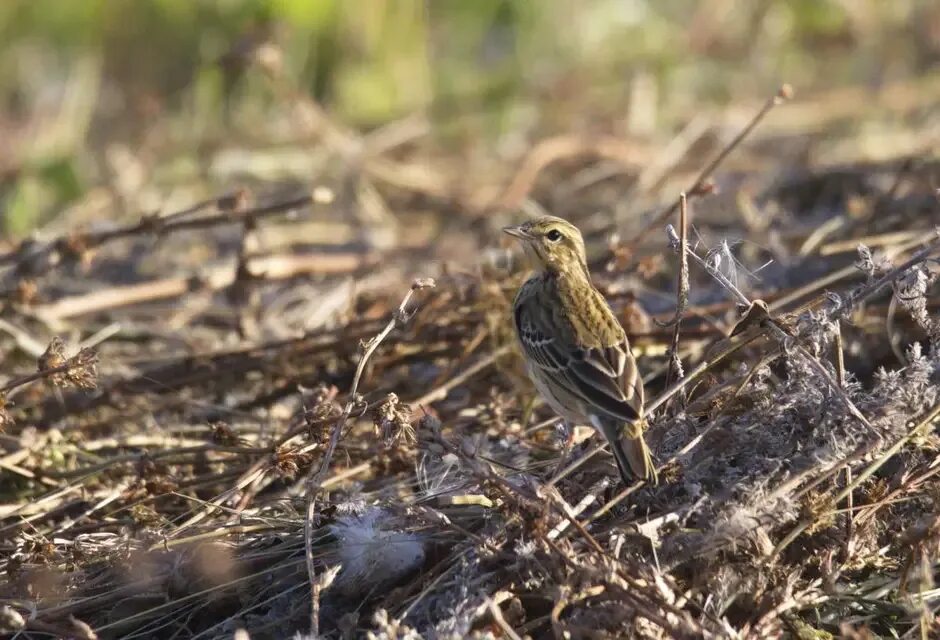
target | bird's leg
x=565, y=432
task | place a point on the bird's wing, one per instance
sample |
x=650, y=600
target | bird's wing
x=603, y=378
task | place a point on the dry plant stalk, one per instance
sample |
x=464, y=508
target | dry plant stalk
x=799, y=492
x=315, y=480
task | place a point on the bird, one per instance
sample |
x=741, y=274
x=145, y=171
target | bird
x=576, y=352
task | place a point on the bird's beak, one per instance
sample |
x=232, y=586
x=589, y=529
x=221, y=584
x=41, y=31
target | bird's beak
x=517, y=232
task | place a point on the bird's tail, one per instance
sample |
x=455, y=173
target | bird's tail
x=633, y=457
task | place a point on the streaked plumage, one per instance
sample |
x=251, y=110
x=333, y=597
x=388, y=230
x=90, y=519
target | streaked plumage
x=576, y=352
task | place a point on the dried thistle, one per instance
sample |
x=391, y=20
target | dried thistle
x=364, y=542
x=671, y=473
x=53, y=358
x=320, y=407
x=392, y=421
x=288, y=461
x=81, y=370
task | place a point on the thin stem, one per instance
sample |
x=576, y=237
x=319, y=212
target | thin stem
x=682, y=291
x=784, y=93
x=31, y=377
x=315, y=480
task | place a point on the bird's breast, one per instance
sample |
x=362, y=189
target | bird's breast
x=592, y=322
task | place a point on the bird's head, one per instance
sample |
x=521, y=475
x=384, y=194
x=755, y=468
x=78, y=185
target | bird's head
x=552, y=244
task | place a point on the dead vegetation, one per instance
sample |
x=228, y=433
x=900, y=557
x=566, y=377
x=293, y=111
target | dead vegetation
x=263, y=415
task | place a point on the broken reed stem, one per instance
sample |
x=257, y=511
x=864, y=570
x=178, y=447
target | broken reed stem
x=262, y=268
x=160, y=225
x=315, y=480
x=784, y=93
x=682, y=292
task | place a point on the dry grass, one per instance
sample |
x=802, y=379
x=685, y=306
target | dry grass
x=259, y=419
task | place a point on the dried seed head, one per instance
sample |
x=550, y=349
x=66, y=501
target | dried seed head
x=320, y=405
x=816, y=507
x=53, y=357
x=870, y=264
x=288, y=461
x=392, y=421
x=81, y=370
x=144, y=515
x=364, y=542
x=223, y=434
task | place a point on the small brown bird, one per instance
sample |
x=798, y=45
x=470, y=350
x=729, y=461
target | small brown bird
x=576, y=352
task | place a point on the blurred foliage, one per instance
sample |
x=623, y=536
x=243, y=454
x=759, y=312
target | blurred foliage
x=94, y=71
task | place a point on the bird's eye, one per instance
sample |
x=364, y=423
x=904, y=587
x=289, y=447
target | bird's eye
x=554, y=235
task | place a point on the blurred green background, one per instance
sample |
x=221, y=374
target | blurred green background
x=86, y=85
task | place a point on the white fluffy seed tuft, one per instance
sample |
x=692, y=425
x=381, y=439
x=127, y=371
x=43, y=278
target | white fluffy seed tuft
x=372, y=552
